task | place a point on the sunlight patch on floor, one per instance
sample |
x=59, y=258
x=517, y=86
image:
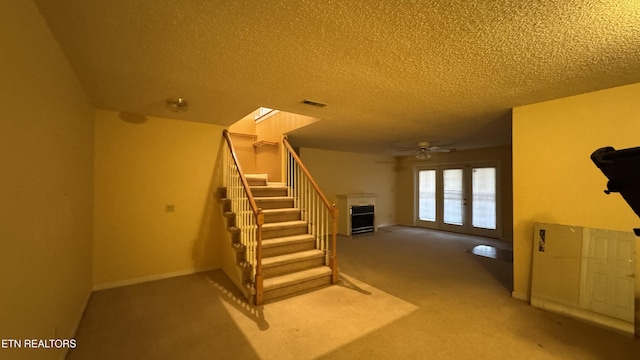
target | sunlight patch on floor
x=313, y=324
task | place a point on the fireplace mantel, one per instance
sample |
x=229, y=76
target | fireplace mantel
x=345, y=201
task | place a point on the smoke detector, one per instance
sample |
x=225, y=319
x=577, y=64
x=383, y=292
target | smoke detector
x=178, y=105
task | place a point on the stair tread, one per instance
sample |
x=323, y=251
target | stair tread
x=284, y=224
x=300, y=255
x=296, y=277
x=271, y=198
x=287, y=239
x=280, y=210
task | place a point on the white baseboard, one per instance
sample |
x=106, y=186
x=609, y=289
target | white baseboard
x=520, y=296
x=616, y=325
x=144, y=279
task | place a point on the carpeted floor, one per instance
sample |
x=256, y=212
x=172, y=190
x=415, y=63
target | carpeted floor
x=404, y=293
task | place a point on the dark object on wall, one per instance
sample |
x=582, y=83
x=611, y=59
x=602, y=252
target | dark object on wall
x=622, y=167
x=542, y=241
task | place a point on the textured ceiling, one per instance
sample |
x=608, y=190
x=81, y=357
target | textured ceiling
x=391, y=71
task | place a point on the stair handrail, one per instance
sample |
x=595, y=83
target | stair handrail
x=245, y=183
x=307, y=174
x=331, y=208
x=259, y=217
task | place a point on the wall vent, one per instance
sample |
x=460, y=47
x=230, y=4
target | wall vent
x=313, y=103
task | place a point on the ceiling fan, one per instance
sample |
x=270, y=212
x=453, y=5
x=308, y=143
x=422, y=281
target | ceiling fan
x=424, y=150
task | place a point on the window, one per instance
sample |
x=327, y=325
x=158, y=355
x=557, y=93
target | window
x=427, y=190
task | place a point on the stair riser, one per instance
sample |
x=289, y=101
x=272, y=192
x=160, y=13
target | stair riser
x=282, y=232
x=287, y=249
x=280, y=217
x=222, y=193
x=266, y=192
x=226, y=205
x=240, y=257
x=274, y=204
x=231, y=219
x=291, y=267
x=296, y=289
x=256, y=181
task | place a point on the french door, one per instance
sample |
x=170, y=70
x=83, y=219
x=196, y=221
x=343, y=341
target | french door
x=460, y=198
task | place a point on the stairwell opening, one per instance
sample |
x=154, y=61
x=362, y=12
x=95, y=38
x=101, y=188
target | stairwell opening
x=258, y=139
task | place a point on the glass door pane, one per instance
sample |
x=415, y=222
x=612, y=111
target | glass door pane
x=453, y=197
x=483, y=184
x=427, y=195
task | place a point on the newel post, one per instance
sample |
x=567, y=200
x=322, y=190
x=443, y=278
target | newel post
x=259, y=279
x=334, y=259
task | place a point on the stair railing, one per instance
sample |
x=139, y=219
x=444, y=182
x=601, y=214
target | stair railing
x=248, y=217
x=320, y=215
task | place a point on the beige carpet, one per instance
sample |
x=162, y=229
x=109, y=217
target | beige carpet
x=404, y=293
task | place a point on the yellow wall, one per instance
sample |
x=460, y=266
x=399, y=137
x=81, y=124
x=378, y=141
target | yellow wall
x=353, y=173
x=142, y=165
x=405, y=177
x=243, y=144
x=554, y=180
x=46, y=154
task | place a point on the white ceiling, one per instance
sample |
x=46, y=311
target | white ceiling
x=391, y=71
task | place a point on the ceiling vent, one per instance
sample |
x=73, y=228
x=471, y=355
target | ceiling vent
x=313, y=103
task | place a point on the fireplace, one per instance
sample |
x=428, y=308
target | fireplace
x=356, y=213
x=362, y=219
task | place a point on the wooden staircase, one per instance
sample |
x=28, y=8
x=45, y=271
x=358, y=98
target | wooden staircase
x=291, y=263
